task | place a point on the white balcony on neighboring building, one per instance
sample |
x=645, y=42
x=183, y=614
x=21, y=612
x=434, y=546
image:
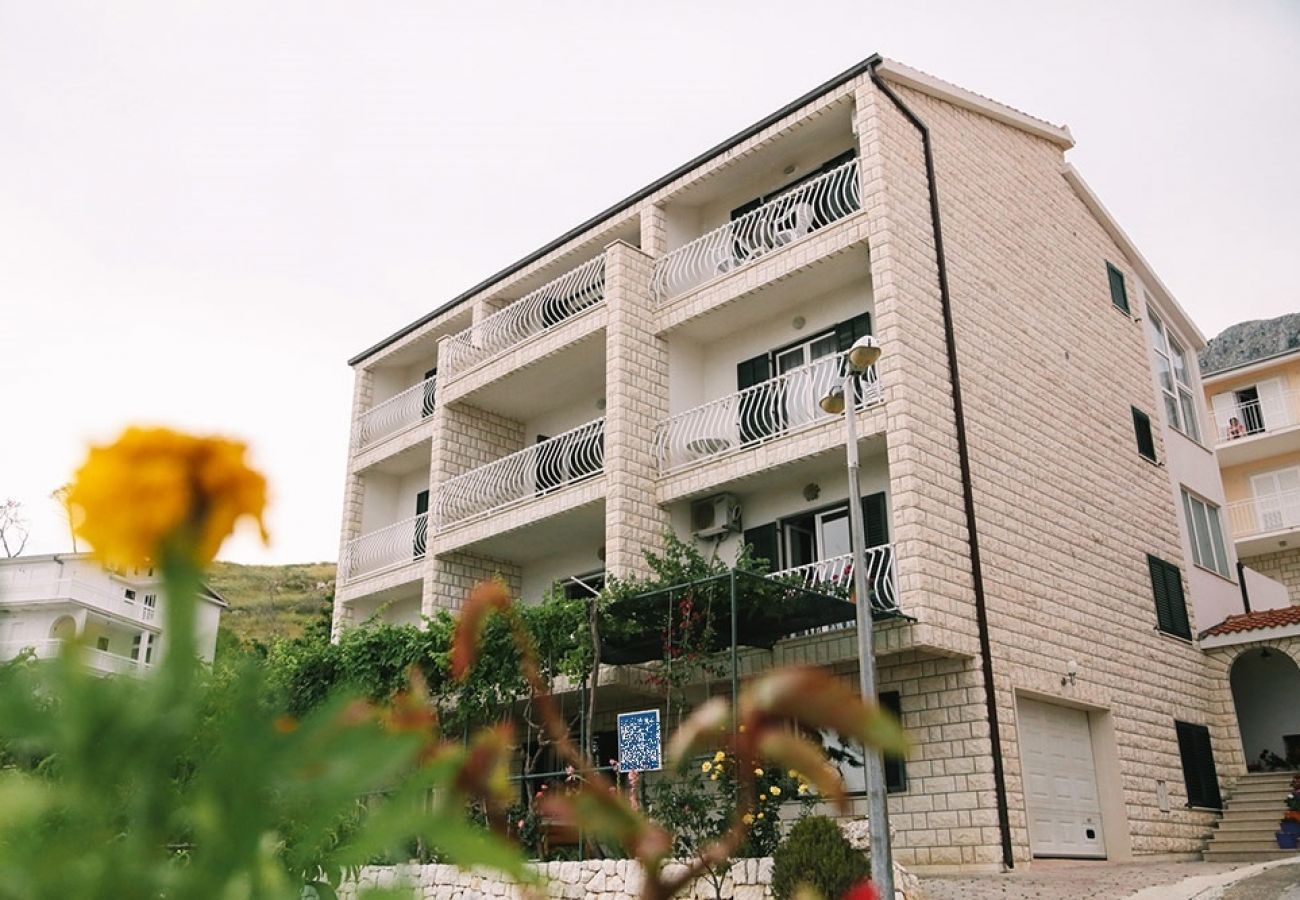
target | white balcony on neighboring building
x=834, y=576
x=780, y=221
x=551, y=305
x=531, y=473
x=765, y=412
x=142, y=607
x=400, y=544
x=1260, y=523
x=1247, y=430
x=396, y=414
x=99, y=661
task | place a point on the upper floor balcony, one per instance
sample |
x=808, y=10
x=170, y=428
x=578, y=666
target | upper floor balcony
x=760, y=228
x=99, y=661
x=786, y=404
x=385, y=549
x=834, y=576
x=396, y=414
x=545, y=468
x=538, y=312
x=137, y=605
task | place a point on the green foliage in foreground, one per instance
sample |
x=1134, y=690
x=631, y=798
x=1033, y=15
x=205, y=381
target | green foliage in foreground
x=188, y=786
x=818, y=855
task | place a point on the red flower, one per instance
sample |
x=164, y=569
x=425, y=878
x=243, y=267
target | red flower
x=863, y=890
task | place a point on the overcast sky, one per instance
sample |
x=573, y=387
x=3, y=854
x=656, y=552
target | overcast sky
x=206, y=208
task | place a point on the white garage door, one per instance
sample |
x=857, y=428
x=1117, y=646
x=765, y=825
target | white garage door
x=1060, y=781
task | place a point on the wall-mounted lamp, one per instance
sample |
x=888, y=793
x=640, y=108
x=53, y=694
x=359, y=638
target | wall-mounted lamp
x=1071, y=671
x=789, y=170
x=812, y=491
x=798, y=322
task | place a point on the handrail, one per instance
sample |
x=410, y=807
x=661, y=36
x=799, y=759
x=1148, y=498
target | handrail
x=72, y=588
x=536, y=312
x=1262, y=416
x=835, y=576
x=780, y=221
x=386, y=548
x=397, y=413
x=1261, y=515
x=532, y=472
x=101, y=660
x=770, y=409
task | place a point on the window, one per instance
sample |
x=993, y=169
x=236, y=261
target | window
x=818, y=535
x=1206, y=533
x=101, y=644
x=1171, y=604
x=1146, y=441
x=846, y=757
x=580, y=587
x=1198, y=765
x=1175, y=380
x=1277, y=499
x=151, y=601
x=1118, y=293
x=129, y=594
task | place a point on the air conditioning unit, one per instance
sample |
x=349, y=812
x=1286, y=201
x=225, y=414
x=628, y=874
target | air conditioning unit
x=715, y=516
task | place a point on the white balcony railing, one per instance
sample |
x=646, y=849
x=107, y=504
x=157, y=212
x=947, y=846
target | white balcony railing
x=834, y=576
x=782, y=220
x=1262, y=416
x=532, y=472
x=99, y=660
x=89, y=594
x=764, y=412
x=396, y=414
x=544, y=308
x=1263, y=515
x=386, y=548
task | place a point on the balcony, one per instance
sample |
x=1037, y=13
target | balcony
x=533, y=472
x=100, y=661
x=781, y=221
x=545, y=308
x=772, y=409
x=87, y=594
x=396, y=414
x=1257, y=429
x=834, y=576
x=1263, y=524
x=386, y=549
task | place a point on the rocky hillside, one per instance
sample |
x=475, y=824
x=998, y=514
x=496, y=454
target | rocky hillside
x=272, y=601
x=1248, y=341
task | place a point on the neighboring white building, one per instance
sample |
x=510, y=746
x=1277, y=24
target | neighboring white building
x=47, y=600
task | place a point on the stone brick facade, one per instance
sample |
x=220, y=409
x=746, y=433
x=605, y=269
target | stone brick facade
x=1283, y=566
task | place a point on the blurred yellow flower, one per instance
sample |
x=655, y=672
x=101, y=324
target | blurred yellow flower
x=713, y=777
x=792, y=773
x=760, y=815
x=762, y=797
x=156, y=488
x=803, y=788
x=706, y=766
x=749, y=818
x=719, y=756
x=775, y=791
x=758, y=772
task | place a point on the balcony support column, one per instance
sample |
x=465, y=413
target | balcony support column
x=448, y=579
x=654, y=231
x=363, y=390
x=636, y=394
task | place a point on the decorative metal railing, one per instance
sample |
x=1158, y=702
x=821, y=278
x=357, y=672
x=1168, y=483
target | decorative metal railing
x=782, y=405
x=544, y=308
x=397, y=413
x=1261, y=416
x=782, y=220
x=386, y=548
x=62, y=589
x=1262, y=515
x=99, y=660
x=532, y=472
x=834, y=576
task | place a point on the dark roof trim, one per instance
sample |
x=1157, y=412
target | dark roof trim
x=622, y=205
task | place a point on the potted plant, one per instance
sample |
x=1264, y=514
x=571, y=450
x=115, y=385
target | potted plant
x=1289, y=832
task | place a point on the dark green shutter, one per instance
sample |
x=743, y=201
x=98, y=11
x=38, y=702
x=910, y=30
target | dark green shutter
x=758, y=411
x=875, y=516
x=1171, y=603
x=1118, y=292
x=426, y=408
x=421, y=540
x=1146, y=441
x=764, y=539
x=1199, y=773
x=848, y=332
x=895, y=766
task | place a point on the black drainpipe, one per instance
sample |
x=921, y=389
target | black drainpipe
x=1241, y=580
x=963, y=457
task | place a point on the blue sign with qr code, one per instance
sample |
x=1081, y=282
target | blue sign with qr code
x=640, y=742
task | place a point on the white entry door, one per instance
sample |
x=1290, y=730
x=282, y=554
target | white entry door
x=1060, y=781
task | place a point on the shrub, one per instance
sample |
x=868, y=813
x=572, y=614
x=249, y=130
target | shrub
x=817, y=854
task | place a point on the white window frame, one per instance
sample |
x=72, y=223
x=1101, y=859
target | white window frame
x=1210, y=542
x=1179, y=398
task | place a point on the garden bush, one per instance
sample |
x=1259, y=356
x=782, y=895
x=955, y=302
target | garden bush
x=816, y=853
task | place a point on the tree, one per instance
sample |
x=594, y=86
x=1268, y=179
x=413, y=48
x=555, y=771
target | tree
x=13, y=527
x=60, y=496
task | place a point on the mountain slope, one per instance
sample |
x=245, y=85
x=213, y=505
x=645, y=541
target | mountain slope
x=271, y=601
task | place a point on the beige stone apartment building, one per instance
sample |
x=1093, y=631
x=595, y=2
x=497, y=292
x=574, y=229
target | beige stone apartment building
x=658, y=367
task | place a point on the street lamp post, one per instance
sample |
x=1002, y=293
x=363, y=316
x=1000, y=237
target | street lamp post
x=861, y=356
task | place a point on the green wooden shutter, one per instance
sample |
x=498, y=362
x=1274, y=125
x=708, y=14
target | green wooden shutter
x=765, y=541
x=1118, y=292
x=1146, y=442
x=757, y=408
x=1171, y=603
x=895, y=766
x=1199, y=773
x=420, y=542
x=849, y=331
x=875, y=516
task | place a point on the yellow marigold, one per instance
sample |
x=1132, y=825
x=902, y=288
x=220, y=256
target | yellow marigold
x=758, y=772
x=156, y=487
x=774, y=790
x=792, y=773
x=749, y=818
x=706, y=766
x=762, y=797
x=713, y=777
x=719, y=756
x=803, y=788
x=760, y=815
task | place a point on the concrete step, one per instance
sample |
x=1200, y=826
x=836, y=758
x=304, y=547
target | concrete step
x=1253, y=805
x=1263, y=787
x=1267, y=778
x=1234, y=830
x=1243, y=843
x=1212, y=855
x=1244, y=815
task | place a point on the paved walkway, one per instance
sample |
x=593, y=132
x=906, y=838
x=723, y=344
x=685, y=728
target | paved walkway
x=1280, y=883
x=1070, y=880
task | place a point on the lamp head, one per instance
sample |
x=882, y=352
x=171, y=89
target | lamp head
x=833, y=402
x=864, y=353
